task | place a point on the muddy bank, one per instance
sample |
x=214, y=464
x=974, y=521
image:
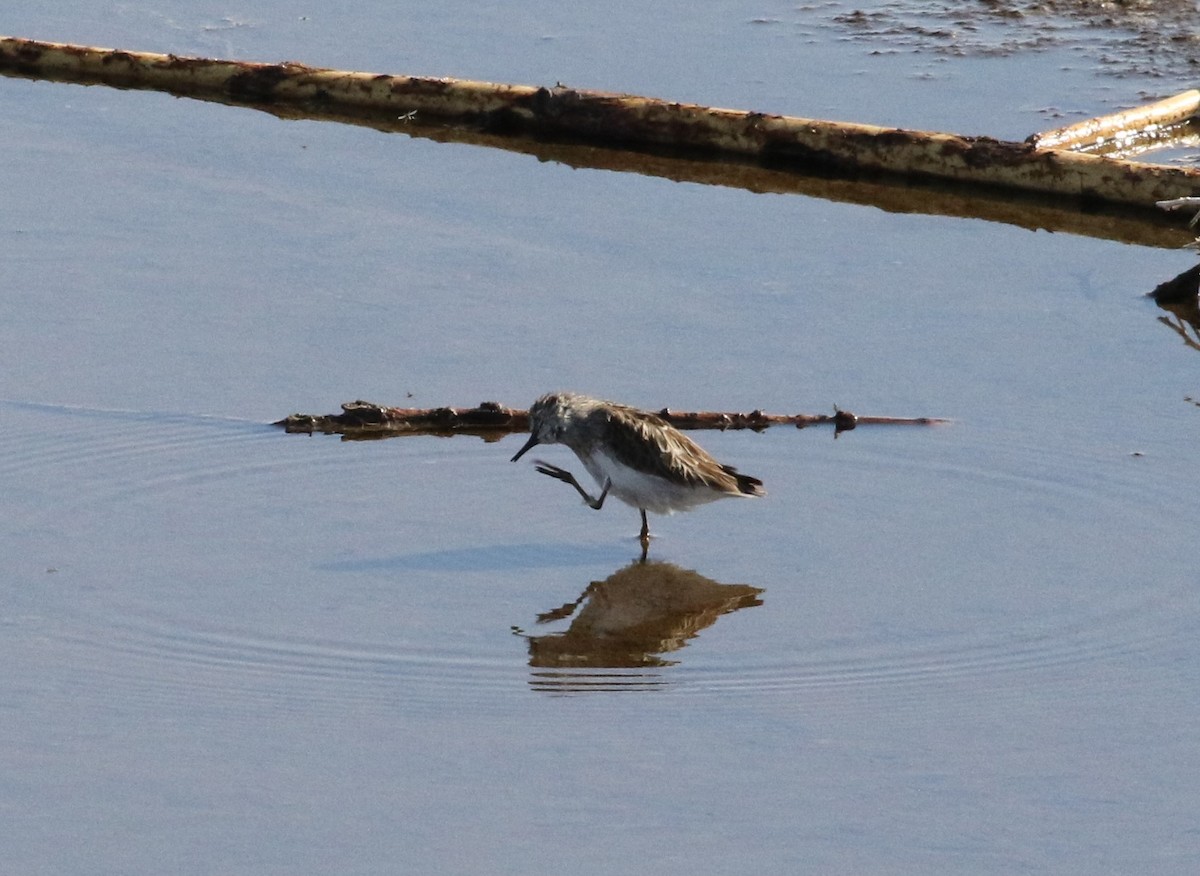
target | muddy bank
x=1135, y=38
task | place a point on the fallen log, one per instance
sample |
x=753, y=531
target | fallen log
x=621, y=120
x=492, y=420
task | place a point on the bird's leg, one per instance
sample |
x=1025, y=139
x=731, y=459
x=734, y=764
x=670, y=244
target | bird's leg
x=567, y=478
x=644, y=535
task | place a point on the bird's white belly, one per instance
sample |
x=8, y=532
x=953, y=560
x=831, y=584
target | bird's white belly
x=642, y=490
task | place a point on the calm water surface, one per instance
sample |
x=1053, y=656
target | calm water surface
x=959, y=649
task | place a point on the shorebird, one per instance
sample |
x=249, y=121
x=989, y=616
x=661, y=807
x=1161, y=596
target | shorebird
x=633, y=454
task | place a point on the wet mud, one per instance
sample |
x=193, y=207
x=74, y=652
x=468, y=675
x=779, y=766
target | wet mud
x=1133, y=38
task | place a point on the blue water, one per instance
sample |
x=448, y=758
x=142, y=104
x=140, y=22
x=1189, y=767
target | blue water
x=235, y=650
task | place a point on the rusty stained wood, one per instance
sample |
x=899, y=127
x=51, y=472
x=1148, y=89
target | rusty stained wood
x=363, y=419
x=626, y=121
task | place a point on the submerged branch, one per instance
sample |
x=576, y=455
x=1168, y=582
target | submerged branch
x=492, y=420
x=619, y=121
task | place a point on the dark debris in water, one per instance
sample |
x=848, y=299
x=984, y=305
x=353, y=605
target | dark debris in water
x=1180, y=298
x=1134, y=37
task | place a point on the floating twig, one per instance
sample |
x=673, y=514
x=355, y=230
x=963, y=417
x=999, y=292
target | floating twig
x=1183, y=204
x=492, y=420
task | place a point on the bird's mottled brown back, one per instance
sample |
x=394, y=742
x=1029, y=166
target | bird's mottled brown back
x=646, y=442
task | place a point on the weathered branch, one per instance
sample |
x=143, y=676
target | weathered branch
x=362, y=419
x=619, y=120
x=1140, y=121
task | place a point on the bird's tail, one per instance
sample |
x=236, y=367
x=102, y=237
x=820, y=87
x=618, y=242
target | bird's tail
x=747, y=485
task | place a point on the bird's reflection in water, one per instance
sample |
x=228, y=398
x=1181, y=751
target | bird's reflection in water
x=626, y=624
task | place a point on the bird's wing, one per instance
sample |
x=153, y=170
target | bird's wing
x=648, y=443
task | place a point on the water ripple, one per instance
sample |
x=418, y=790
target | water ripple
x=649, y=628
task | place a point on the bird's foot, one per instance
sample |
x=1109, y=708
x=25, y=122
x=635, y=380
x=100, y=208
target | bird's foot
x=555, y=472
x=567, y=478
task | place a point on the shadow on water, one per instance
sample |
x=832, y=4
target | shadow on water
x=488, y=558
x=627, y=623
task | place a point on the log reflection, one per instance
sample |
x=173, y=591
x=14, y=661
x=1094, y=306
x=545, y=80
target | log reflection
x=627, y=623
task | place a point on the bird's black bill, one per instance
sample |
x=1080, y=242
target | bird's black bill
x=532, y=442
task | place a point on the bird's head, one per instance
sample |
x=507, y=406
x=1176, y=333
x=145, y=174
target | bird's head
x=548, y=420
